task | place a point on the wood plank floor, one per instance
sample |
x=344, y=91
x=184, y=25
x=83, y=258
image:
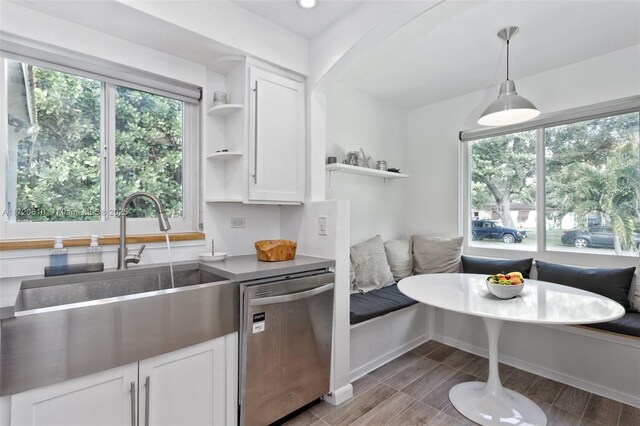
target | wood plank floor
x=413, y=389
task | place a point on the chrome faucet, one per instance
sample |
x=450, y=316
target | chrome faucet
x=123, y=257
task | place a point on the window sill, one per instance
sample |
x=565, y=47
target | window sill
x=107, y=240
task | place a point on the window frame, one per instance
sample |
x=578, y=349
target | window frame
x=605, y=109
x=190, y=220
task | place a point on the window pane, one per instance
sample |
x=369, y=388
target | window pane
x=592, y=185
x=503, y=191
x=53, y=168
x=149, y=150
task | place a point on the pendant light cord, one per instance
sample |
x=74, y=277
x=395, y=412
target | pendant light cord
x=507, y=59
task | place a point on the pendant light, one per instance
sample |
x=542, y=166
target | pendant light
x=307, y=4
x=509, y=108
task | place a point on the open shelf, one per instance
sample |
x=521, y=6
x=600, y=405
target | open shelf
x=223, y=200
x=364, y=171
x=225, y=63
x=224, y=155
x=225, y=109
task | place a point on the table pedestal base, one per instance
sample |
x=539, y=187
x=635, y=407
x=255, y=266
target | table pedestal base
x=475, y=401
x=490, y=403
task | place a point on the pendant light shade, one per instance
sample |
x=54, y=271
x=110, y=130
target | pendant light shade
x=509, y=108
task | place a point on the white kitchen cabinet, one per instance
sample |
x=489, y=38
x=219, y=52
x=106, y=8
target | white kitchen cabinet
x=99, y=399
x=255, y=148
x=190, y=386
x=277, y=137
x=196, y=385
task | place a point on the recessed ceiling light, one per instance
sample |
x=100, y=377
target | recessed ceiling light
x=307, y=4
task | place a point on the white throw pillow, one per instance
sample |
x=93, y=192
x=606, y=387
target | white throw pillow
x=399, y=257
x=369, y=264
x=433, y=255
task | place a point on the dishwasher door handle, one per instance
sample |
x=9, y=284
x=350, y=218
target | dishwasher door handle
x=290, y=297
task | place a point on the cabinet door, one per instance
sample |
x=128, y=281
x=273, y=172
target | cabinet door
x=277, y=138
x=99, y=399
x=196, y=385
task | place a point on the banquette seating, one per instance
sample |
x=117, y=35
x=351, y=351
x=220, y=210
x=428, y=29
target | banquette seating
x=376, y=267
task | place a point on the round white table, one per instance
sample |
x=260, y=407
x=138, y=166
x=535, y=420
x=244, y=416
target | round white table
x=539, y=303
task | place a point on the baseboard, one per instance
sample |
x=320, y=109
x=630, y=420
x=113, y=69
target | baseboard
x=339, y=396
x=381, y=360
x=544, y=372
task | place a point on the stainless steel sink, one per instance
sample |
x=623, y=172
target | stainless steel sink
x=71, y=326
x=78, y=289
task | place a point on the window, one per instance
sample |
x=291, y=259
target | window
x=503, y=191
x=592, y=185
x=584, y=172
x=149, y=149
x=76, y=146
x=54, y=145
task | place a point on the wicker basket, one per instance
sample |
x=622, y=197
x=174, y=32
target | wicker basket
x=275, y=250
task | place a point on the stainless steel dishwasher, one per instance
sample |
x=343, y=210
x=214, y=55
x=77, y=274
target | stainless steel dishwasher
x=285, y=345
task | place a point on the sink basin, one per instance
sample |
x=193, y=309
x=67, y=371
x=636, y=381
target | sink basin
x=74, y=325
x=76, y=289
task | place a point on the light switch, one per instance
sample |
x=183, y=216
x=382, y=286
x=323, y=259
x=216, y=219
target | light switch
x=323, y=227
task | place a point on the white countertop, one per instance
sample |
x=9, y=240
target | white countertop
x=540, y=302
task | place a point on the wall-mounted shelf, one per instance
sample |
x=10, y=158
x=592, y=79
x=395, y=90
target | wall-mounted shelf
x=224, y=110
x=225, y=63
x=224, y=155
x=363, y=171
x=223, y=200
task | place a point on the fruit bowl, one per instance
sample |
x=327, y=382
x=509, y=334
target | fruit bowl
x=505, y=286
x=504, y=291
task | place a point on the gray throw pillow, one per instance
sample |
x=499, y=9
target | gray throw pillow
x=433, y=255
x=370, y=267
x=489, y=266
x=613, y=283
x=635, y=303
x=399, y=257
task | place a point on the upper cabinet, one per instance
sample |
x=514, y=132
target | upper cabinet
x=277, y=136
x=254, y=147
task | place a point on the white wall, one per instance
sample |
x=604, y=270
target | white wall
x=433, y=146
x=32, y=25
x=234, y=26
x=357, y=120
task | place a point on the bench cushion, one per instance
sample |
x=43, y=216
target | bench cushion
x=377, y=302
x=478, y=265
x=611, y=283
x=629, y=324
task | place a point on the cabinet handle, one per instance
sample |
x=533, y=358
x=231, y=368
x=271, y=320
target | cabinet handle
x=147, y=391
x=255, y=140
x=133, y=403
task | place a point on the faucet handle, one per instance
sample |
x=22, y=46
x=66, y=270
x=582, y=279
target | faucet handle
x=141, y=250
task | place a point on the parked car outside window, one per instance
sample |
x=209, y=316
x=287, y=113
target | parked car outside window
x=594, y=236
x=492, y=230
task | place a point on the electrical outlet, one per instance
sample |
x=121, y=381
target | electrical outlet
x=237, y=222
x=323, y=227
